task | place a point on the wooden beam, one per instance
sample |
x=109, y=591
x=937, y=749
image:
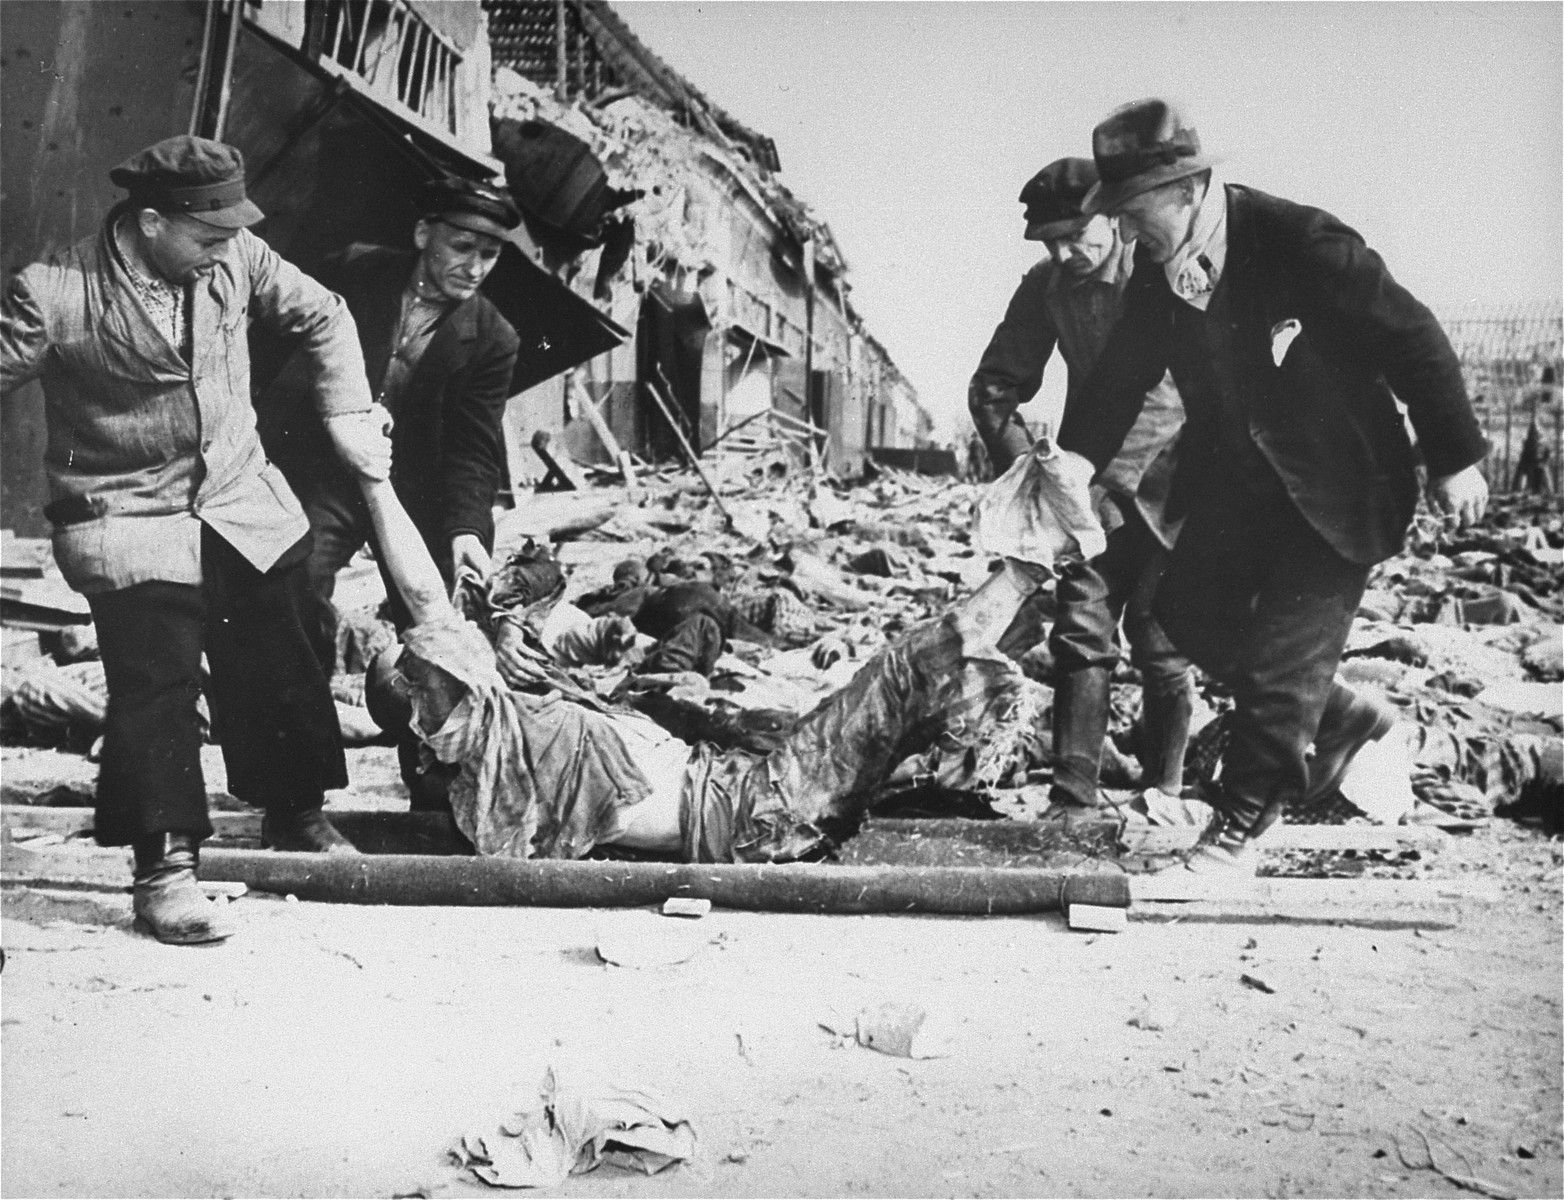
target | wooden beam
x=563, y=474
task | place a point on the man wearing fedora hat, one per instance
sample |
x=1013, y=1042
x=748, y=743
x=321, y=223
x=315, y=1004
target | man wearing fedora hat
x=169, y=519
x=440, y=359
x=1291, y=344
x=1072, y=300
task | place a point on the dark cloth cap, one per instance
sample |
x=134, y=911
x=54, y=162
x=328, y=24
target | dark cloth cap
x=1141, y=146
x=192, y=176
x=1053, y=198
x=478, y=207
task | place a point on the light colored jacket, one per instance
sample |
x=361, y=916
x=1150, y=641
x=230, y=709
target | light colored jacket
x=143, y=447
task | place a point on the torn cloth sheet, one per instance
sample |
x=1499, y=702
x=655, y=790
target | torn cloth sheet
x=581, y=1123
x=1041, y=510
x=545, y=776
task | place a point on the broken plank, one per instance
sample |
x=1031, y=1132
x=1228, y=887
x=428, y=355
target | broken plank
x=1166, y=839
x=1170, y=839
x=1183, y=885
x=563, y=474
x=374, y=832
x=615, y=451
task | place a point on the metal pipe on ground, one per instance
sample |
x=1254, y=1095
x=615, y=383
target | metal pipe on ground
x=415, y=879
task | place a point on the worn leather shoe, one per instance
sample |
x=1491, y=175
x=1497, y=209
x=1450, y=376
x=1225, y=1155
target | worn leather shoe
x=168, y=902
x=1224, y=850
x=307, y=832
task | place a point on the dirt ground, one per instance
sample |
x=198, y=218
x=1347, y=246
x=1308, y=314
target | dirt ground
x=338, y=1050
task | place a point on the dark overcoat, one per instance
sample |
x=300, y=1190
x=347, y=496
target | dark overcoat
x=1325, y=417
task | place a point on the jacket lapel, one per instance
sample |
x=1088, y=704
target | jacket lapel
x=378, y=311
x=126, y=322
x=449, y=348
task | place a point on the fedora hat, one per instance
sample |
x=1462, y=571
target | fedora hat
x=1141, y=146
x=1053, y=198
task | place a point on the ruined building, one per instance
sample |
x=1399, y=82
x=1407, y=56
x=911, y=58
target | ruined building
x=659, y=245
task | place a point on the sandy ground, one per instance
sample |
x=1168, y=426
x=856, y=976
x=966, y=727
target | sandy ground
x=331, y=1051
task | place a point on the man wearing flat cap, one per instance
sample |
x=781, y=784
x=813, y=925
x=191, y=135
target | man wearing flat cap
x=440, y=359
x=1290, y=343
x=169, y=519
x=1072, y=299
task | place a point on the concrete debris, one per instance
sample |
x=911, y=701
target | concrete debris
x=901, y=1029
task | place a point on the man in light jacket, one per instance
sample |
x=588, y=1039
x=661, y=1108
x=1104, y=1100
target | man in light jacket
x=169, y=519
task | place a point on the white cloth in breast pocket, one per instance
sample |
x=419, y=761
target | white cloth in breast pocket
x=1282, y=335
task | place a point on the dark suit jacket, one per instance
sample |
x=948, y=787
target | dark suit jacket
x=447, y=448
x=1325, y=418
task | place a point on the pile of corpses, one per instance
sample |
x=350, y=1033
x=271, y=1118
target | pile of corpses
x=725, y=621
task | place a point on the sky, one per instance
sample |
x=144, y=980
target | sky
x=1433, y=129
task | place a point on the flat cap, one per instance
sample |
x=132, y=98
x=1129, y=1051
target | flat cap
x=192, y=176
x=478, y=207
x=1053, y=198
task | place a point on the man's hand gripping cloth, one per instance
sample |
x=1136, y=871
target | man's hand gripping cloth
x=1041, y=509
x=540, y=776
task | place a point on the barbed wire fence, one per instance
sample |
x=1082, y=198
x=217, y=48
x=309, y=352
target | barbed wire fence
x=1513, y=359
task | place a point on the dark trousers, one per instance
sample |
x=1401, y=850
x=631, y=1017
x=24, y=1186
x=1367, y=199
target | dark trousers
x=1259, y=601
x=272, y=709
x=1119, y=583
x=340, y=524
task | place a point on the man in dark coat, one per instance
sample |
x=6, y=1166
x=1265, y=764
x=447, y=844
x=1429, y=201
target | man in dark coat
x=440, y=358
x=1071, y=300
x=1290, y=344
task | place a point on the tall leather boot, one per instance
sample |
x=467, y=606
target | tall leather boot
x=1080, y=725
x=168, y=903
x=1165, y=718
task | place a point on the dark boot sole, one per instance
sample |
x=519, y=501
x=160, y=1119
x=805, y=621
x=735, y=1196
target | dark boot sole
x=143, y=926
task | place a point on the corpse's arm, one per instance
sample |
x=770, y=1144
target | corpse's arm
x=1395, y=333
x=1011, y=370
x=406, y=558
x=471, y=454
